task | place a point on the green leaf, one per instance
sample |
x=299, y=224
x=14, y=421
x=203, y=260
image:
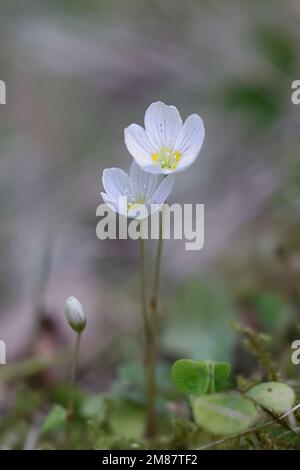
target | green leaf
x=221, y=374
x=224, y=413
x=191, y=377
x=274, y=396
x=197, y=378
x=55, y=420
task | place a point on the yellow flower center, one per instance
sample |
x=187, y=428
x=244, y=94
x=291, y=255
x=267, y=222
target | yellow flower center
x=167, y=158
x=135, y=205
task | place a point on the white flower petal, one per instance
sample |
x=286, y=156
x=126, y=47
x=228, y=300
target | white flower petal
x=137, y=142
x=157, y=169
x=153, y=168
x=109, y=202
x=164, y=190
x=116, y=183
x=119, y=206
x=162, y=124
x=189, y=141
x=142, y=183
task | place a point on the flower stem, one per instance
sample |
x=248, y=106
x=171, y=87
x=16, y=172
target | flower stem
x=154, y=327
x=144, y=295
x=73, y=377
x=150, y=410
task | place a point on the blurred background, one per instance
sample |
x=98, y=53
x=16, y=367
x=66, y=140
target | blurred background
x=77, y=73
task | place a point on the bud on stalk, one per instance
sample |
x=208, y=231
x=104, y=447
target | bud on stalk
x=75, y=315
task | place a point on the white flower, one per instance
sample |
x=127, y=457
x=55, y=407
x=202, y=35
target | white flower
x=75, y=315
x=166, y=145
x=132, y=195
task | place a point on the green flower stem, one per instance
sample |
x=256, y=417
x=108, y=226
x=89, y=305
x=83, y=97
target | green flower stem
x=150, y=412
x=154, y=327
x=150, y=331
x=73, y=377
x=144, y=294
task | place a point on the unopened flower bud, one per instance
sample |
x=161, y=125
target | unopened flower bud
x=75, y=315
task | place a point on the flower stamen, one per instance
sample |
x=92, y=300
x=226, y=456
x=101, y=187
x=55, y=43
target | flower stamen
x=167, y=158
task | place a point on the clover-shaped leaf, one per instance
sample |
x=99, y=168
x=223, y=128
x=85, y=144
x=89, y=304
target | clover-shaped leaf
x=196, y=378
x=219, y=375
x=224, y=413
x=275, y=396
x=191, y=377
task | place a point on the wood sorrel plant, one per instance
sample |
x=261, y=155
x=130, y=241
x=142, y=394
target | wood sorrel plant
x=165, y=146
x=236, y=412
